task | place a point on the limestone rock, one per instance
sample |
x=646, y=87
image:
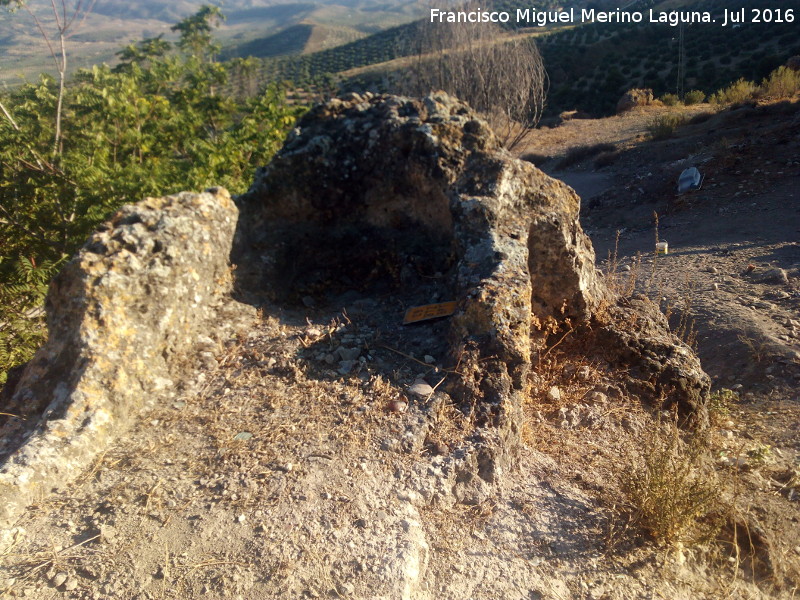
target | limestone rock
x=370, y=195
x=657, y=366
x=363, y=178
x=633, y=98
x=119, y=315
x=775, y=276
x=366, y=180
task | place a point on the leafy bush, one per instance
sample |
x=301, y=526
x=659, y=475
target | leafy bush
x=663, y=127
x=22, y=327
x=670, y=99
x=719, y=405
x=781, y=83
x=736, y=93
x=694, y=97
x=156, y=124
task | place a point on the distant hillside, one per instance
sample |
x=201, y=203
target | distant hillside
x=250, y=24
x=591, y=65
x=302, y=38
x=308, y=44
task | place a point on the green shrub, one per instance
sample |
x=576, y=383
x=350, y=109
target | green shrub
x=663, y=126
x=694, y=97
x=736, y=93
x=155, y=124
x=670, y=99
x=719, y=405
x=781, y=83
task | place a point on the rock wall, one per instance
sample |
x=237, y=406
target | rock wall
x=384, y=193
x=122, y=316
x=633, y=98
x=428, y=173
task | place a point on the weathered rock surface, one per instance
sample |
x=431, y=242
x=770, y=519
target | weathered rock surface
x=655, y=365
x=633, y=98
x=374, y=196
x=384, y=179
x=121, y=316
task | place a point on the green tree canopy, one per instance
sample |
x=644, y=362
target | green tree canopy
x=158, y=123
x=195, y=31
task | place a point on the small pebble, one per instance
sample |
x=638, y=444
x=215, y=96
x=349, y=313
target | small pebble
x=398, y=405
x=346, y=589
x=59, y=579
x=421, y=389
x=554, y=394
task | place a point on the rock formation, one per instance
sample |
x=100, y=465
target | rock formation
x=374, y=194
x=428, y=180
x=633, y=98
x=122, y=316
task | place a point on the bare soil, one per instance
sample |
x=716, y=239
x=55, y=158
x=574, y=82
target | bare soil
x=298, y=460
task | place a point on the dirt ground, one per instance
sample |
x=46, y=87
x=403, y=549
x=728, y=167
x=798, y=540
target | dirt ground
x=312, y=455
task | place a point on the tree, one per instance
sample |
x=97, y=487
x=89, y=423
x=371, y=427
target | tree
x=68, y=17
x=244, y=73
x=150, y=126
x=142, y=53
x=499, y=75
x=195, y=31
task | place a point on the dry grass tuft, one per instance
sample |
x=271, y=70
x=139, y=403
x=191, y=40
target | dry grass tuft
x=581, y=153
x=536, y=159
x=719, y=405
x=672, y=489
x=662, y=127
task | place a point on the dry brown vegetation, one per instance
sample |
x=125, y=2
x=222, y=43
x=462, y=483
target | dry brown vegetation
x=501, y=76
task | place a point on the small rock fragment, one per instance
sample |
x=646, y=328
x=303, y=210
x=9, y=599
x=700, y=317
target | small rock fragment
x=348, y=354
x=775, y=276
x=346, y=589
x=554, y=394
x=421, y=389
x=398, y=405
x=597, y=397
x=345, y=366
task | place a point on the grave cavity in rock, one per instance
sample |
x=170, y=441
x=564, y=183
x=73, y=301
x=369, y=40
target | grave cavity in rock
x=392, y=241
